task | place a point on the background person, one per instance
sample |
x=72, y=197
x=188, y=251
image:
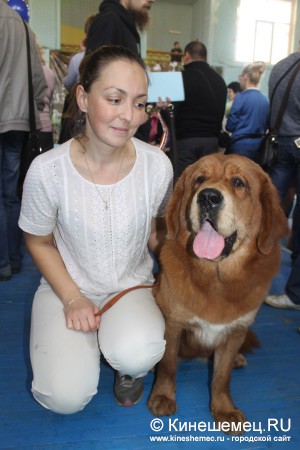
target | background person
x=46, y=132
x=69, y=82
x=249, y=116
x=72, y=76
x=118, y=22
x=233, y=89
x=176, y=55
x=14, y=123
x=90, y=212
x=287, y=166
x=198, y=119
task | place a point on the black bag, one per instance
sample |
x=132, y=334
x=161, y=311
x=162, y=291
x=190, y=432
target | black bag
x=31, y=145
x=31, y=148
x=267, y=152
x=224, y=140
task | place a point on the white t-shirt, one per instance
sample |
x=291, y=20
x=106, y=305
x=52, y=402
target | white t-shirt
x=104, y=250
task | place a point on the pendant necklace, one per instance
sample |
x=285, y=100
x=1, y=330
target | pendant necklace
x=104, y=200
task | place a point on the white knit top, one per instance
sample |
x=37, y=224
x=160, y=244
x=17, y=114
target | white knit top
x=104, y=250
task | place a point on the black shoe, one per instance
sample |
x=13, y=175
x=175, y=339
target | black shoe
x=5, y=277
x=128, y=391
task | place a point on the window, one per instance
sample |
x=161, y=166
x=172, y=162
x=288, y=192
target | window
x=263, y=30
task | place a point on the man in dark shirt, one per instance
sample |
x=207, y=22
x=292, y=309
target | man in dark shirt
x=198, y=119
x=118, y=22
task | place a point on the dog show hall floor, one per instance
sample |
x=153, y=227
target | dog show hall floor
x=267, y=390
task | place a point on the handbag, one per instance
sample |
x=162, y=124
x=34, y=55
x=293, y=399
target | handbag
x=224, y=140
x=267, y=152
x=31, y=146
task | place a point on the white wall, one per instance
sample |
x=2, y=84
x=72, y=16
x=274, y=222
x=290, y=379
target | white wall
x=45, y=22
x=170, y=22
x=211, y=21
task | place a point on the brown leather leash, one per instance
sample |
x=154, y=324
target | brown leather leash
x=117, y=297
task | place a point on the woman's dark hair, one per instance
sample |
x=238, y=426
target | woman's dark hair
x=235, y=86
x=94, y=63
x=90, y=70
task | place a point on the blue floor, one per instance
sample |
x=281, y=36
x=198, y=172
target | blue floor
x=267, y=390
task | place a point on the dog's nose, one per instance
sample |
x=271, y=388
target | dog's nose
x=210, y=198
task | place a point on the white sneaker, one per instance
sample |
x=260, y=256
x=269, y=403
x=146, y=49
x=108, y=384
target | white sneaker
x=281, y=301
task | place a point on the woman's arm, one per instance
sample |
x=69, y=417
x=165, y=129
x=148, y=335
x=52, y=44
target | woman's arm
x=80, y=315
x=71, y=78
x=234, y=115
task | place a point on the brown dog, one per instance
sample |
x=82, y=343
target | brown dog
x=224, y=223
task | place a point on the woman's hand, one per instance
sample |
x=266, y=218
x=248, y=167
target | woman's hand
x=80, y=316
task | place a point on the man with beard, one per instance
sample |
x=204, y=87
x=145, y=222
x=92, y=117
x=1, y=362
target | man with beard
x=117, y=23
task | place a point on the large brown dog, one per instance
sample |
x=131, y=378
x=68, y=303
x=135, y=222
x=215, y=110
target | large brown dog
x=224, y=223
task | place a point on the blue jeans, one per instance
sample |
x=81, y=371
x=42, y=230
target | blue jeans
x=251, y=154
x=285, y=170
x=10, y=234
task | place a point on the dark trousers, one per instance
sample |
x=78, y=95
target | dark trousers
x=293, y=283
x=285, y=170
x=10, y=234
x=191, y=150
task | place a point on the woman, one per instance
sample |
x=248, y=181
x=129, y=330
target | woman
x=90, y=214
x=233, y=89
x=46, y=132
x=249, y=116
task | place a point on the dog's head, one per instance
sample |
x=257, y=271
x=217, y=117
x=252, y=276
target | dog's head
x=224, y=203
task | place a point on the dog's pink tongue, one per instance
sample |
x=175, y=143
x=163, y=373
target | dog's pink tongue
x=208, y=243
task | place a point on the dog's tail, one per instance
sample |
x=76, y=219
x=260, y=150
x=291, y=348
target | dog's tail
x=250, y=343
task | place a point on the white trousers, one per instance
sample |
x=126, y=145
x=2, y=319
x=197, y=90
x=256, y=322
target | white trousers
x=66, y=363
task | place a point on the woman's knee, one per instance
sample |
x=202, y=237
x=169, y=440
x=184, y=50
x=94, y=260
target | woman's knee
x=135, y=358
x=64, y=398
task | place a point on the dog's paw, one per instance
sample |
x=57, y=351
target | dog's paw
x=239, y=361
x=230, y=422
x=160, y=405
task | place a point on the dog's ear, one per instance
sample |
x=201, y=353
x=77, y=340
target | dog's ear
x=174, y=211
x=274, y=225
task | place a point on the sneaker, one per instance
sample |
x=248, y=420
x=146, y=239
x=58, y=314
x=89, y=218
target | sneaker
x=128, y=391
x=281, y=301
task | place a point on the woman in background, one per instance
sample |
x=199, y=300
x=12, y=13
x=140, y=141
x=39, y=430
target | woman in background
x=249, y=116
x=46, y=132
x=233, y=89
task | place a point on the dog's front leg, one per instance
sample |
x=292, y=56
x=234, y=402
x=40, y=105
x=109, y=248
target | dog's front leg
x=222, y=407
x=162, y=399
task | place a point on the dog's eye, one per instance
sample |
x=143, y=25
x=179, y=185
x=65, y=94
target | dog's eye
x=200, y=179
x=237, y=182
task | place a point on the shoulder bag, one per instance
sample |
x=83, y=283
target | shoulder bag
x=31, y=147
x=267, y=152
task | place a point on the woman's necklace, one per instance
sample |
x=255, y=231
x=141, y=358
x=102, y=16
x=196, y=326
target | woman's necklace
x=105, y=201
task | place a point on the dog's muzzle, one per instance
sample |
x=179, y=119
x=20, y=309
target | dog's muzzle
x=208, y=243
